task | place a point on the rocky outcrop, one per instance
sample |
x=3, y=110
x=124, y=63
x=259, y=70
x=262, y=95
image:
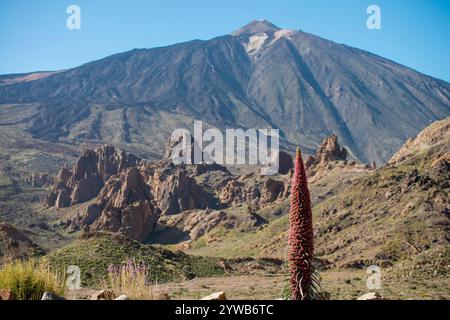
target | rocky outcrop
x=88, y=176
x=199, y=168
x=273, y=190
x=201, y=222
x=431, y=141
x=131, y=196
x=254, y=191
x=329, y=151
x=234, y=193
x=13, y=243
x=177, y=192
x=125, y=205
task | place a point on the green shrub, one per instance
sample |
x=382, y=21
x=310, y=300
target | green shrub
x=29, y=279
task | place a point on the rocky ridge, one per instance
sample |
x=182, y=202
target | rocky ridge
x=130, y=196
x=150, y=199
x=14, y=244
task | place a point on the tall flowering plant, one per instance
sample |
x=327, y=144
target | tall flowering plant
x=304, y=283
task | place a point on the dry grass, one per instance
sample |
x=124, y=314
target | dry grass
x=131, y=279
x=29, y=279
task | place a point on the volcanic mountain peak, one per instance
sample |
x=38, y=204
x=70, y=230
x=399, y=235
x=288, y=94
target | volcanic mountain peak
x=255, y=27
x=262, y=76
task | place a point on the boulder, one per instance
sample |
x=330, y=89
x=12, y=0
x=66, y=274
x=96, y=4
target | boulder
x=104, y=295
x=370, y=296
x=216, y=296
x=6, y=295
x=163, y=297
x=51, y=296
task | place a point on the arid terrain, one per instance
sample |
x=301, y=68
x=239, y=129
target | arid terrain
x=203, y=229
x=87, y=180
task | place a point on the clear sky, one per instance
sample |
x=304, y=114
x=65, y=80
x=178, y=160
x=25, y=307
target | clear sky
x=33, y=34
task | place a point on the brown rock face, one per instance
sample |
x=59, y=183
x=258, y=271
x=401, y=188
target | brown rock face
x=131, y=197
x=432, y=141
x=88, y=176
x=232, y=193
x=274, y=190
x=13, y=243
x=126, y=205
x=254, y=191
x=330, y=150
x=202, y=222
x=6, y=295
x=178, y=192
x=112, y=161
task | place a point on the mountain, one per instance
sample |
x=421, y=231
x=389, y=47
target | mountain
x=257, y=77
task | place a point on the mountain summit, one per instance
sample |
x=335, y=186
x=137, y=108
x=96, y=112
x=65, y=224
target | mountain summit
x=258, y=77
x=255, y=27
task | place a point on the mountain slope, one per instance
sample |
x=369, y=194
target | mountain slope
x=396, y=217
x=258, y=76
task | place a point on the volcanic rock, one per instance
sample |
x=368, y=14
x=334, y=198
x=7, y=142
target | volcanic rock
x=13, y=243
x=178, y=192
x=216, y=296
x=330, y=150
x=6, y=295
x=126, y=205
x=104, y=295
x=88, y=176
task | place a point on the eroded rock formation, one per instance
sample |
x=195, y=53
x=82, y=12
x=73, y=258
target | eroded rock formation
x=129, y=196
x=330, y=150
x=88, y=176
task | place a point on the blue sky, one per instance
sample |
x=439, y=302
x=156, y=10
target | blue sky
x=33, y=34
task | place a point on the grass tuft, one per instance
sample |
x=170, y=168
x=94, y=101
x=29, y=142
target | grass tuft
x=132, y=279
x=29, y=279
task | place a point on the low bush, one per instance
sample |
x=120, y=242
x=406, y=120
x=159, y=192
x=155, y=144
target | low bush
x=29, y=279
